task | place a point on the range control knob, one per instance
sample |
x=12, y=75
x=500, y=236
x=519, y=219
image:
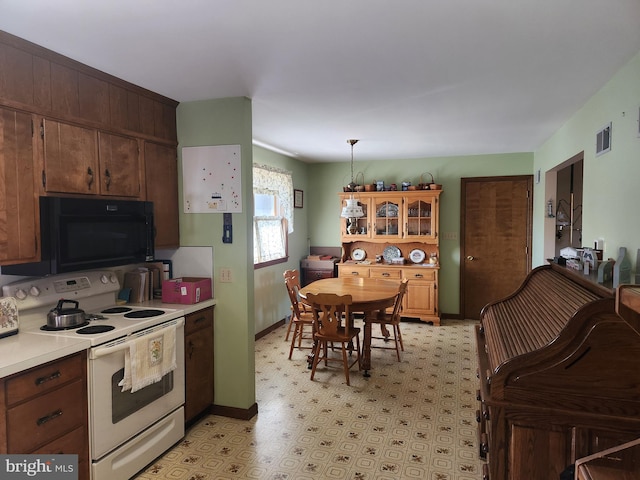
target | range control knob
x=35, y=291
x=21, y=294
x=104, y=278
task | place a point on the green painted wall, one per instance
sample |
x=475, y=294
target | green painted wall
x=611, y=192
x=226, y=122
x=271, y=301
x=329, y=178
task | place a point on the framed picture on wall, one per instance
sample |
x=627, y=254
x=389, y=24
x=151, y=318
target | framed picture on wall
x=298, y=196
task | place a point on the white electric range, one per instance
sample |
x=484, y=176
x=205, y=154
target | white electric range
x=127, y=430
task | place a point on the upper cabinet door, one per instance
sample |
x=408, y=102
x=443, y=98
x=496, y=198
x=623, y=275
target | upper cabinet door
x=70, y=158
x=420, y=219
x=387, y=217
x=119, y=159
x=161, y=180
x=18, y=210
x=355, y=229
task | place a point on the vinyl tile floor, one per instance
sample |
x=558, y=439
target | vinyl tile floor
x=409, y=419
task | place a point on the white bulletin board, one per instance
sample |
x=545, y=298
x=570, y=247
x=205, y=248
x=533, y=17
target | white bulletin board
x=211, y=179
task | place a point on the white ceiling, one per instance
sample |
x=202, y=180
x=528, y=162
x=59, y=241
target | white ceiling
x=408, y=78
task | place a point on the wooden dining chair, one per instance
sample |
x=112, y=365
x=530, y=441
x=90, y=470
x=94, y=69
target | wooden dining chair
x=392, y=320
x=301, y=315
x=329, y=311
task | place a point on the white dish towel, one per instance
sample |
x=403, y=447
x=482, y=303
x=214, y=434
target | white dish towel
x=149, y=358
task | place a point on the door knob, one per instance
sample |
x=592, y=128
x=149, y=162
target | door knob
x=470, y=258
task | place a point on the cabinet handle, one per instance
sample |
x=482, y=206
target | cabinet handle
x=191, y=348
x=40, y=380
x=89, y=177
x=386, y=274
x=355, y=273
x=47, y=418
x=418, y=275
x=199, y=319
x=471, y=258
x=107, y=178
x=484, y=443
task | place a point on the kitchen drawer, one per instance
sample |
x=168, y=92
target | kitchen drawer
x=42, y=379
x=353, y=271
x=385, y=273
x=71, y=443
x=198, y=320
x=419, y=273
x=41, y=420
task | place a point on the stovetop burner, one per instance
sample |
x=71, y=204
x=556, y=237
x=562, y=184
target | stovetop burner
x=48, y=328
x=144, y=313
x=93, y=329
x=117, y=310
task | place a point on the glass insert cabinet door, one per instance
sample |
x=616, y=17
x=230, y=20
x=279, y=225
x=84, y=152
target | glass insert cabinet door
x=419, y=221
x=356, y=228
x=387, y=222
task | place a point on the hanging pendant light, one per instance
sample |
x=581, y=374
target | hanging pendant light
x=352, y=210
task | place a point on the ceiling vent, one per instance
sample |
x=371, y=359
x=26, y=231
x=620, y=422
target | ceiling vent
x=603, y=140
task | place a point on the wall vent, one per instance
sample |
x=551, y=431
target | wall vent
x=603, y=140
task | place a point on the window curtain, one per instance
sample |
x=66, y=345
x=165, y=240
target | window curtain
x=268, y=179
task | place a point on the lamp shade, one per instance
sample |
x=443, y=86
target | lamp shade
x=352, y=209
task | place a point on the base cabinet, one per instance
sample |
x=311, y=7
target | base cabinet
x=421, y=299
x=198, y=338
x=44, y=410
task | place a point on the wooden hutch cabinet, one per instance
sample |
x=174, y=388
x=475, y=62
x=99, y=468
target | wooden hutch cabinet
x=406, y=224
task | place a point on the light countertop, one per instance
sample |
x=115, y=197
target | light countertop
x=25, y=350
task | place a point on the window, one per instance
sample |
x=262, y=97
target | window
x=272, y=215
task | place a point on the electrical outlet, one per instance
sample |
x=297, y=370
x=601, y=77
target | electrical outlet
x=225, y=275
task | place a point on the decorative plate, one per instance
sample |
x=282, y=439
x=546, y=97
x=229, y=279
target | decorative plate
x=388, y=210
x=358, y=254
x=391, y=252
x=417, y=256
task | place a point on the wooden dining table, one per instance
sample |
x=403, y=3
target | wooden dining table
x=369, y=296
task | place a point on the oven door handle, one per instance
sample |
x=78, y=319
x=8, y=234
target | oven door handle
x=102, y=351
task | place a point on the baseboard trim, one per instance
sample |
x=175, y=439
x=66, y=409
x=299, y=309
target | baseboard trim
x=233, y=412
x=270, y=329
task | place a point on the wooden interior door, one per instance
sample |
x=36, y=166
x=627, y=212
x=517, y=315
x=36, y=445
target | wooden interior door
x=495, y=245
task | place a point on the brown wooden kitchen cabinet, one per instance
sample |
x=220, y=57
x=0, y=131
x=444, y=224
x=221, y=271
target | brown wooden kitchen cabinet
x=92, y=135
x=18, y=234
x=84, y=160
x=198, y=351
x=119, y=159
x=161, y=172
x=44, y=410
x=403, y=220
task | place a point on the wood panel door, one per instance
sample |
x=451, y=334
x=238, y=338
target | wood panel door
x=18, y=205
x=119, y=165
x=70, y=158
x=495, y=245
x=161, y=179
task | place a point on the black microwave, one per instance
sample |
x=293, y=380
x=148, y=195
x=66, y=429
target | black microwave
x=85, y=234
